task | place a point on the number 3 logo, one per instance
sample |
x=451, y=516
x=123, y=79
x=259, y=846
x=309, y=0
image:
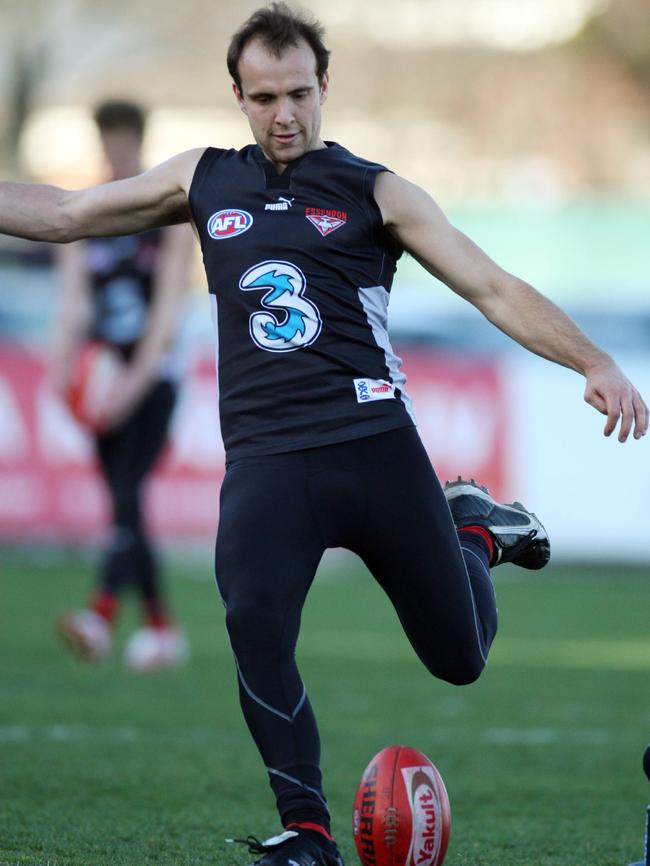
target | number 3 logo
x=300, y=323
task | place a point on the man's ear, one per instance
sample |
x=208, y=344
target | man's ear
x=239, y=97
x=324, y=86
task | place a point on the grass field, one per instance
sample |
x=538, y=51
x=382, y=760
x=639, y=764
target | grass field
x=542, y=757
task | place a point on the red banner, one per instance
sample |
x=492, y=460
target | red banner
x=462, y=413
x=49, y=487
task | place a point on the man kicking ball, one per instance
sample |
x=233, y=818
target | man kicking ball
x=300, y=241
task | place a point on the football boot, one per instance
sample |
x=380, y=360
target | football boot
x=86, y=633
x=151, y=649
x=294, y=848
x=517, y=534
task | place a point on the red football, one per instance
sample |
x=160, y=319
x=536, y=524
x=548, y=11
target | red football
x=95, y=378
x=401, y=813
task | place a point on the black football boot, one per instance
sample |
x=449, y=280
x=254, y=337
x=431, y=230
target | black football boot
x=294, y=848
x=518, y=535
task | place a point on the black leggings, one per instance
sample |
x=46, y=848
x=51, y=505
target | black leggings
x=126, y=455
x=380, y=498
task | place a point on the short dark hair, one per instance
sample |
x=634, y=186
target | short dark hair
x=278, y=26
x=118, y=114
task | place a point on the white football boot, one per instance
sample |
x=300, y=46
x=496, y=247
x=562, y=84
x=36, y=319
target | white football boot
x=151, y=649
x=86, y=633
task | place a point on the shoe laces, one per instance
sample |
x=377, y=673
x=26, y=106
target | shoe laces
x=516, y=549
x=257, y=847
x=253, y=843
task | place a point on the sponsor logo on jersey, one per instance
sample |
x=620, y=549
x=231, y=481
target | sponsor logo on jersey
x=282, y=203
x=373, y=389
x=229, y=223
x=326, y=220
x=289, y=320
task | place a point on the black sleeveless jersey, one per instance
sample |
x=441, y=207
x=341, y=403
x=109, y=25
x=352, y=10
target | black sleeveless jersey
x=299, y=269
x=121, y=273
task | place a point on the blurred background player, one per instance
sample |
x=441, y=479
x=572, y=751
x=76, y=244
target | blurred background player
x=126, y=292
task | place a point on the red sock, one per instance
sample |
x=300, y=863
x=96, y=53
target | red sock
x=306, y=825
x=485, y=535
x=155, y=615
x=106, y=605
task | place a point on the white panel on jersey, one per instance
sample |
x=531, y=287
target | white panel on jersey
x=214, y=309
x=374, y=301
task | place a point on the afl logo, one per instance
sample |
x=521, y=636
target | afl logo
x=229, y=223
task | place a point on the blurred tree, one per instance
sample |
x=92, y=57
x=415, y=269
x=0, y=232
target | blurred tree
x=470, y=118
x=24, y=55
x=28, y=67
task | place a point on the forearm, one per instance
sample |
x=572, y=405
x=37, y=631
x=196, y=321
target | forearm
x=146, y=360
x=540, y=326
x=73, y=313
x=512, y=305
x=34, y=211
x=70, y=331
x=144, y=366
x=170, y=288
x=72, y=327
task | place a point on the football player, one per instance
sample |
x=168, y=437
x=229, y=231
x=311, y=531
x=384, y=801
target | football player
x=300, y=240
x=124, y=291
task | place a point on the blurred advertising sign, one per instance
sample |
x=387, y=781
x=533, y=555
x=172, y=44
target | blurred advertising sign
x=49, y=488
x=463, y=414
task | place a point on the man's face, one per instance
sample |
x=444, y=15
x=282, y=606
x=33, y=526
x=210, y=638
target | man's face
x=282, y=98
x=123, y=152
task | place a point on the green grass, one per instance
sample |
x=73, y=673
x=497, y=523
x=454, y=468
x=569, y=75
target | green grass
x=541, y=757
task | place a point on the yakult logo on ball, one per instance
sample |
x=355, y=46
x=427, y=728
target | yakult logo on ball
x=229, y=223
x=427, y=817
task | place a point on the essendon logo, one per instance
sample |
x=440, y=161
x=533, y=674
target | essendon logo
x=229, y=223
x=325, y=220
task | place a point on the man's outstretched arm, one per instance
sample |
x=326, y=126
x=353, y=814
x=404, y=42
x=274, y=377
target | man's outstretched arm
x=508, y=302
x=154, y=198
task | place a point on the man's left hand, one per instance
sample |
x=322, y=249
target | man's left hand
x=612, y=394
